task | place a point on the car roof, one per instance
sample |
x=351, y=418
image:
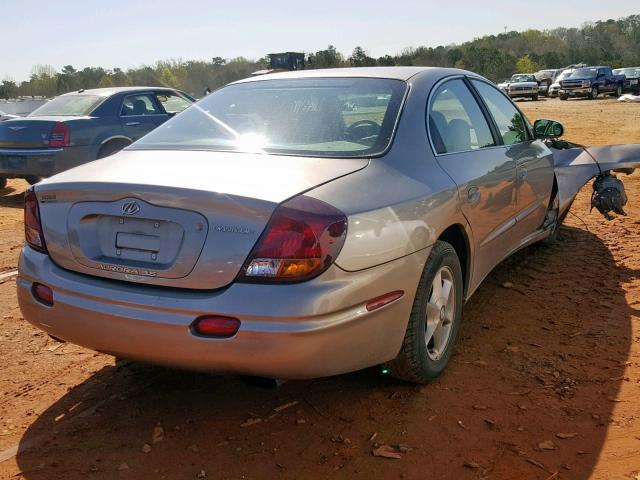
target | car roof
x=395, y=73
x=107, y=92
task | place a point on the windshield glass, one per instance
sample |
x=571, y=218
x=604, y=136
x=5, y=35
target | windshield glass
x=523, y=78
x=332, y=117
x=563, y=75
x=68, y=106
x=585, y=73
x=628, y=72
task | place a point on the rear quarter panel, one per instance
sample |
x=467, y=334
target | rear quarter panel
x=402, y=201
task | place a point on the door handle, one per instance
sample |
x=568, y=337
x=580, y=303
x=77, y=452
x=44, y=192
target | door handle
x=473, y=195
x=132, y=124
x=522, y=173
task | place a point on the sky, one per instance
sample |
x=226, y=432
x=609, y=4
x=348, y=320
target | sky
x=129, y=33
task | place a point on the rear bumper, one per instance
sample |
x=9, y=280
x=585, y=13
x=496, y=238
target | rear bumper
x=41, y=162
x=312, y=329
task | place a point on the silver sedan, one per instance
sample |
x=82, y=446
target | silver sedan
x=294, y=225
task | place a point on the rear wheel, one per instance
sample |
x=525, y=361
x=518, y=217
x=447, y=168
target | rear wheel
x=435, y=319
x=112, y=147
x=564, y=97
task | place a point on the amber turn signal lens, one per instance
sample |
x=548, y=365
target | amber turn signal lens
x=382, y=300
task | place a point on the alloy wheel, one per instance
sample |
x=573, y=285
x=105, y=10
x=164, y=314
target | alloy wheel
x=441, y=309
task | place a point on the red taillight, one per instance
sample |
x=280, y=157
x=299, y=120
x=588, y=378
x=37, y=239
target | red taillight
x=302, y=239
x=32, y=226
x=216, y=326
x=43, y=294
x=59, y=136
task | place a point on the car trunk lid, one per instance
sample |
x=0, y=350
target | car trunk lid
x=32, y=132
x=174, y=218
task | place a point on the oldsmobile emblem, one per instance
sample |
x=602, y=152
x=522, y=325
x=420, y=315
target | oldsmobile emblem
x=130, y=208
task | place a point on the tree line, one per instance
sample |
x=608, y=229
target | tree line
x=608, y=42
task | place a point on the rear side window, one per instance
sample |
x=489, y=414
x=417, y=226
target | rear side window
x=508, y=119
x=69, y=106
x=139, y=105
x=172, y=103
x=456, y=123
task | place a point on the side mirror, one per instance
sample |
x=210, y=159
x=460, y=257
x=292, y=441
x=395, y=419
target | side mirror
x=548, y=129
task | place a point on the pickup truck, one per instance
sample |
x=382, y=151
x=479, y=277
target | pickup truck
x=631, y=79
x=591, y=82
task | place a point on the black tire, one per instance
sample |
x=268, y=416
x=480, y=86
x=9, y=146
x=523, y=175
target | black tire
x=564, y=97
x=3, y=182
x=534, y=98
x=594, y=93
x=545, y=92
x=32, y=179
x=415, y=362
x=112, y=147
x=618, y=92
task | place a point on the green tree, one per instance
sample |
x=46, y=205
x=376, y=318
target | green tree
x=359, y=58
x=526, y=64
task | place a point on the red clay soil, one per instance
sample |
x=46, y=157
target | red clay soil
x=545, y=382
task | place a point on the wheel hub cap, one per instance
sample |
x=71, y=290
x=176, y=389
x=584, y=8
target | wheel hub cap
x=441, y=309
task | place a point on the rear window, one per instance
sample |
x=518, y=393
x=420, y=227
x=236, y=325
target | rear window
x=69, y=106
x=326, y=117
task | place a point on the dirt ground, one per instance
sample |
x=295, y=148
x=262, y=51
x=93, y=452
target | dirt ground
x=545, y=382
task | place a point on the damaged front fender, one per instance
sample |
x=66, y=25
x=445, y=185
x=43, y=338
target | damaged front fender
x=574, y=167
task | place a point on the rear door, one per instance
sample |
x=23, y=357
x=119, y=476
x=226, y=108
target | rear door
x=467, y=150
x=140, y=113
x=533, y=160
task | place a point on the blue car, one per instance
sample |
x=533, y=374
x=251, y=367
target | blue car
x=82, y=126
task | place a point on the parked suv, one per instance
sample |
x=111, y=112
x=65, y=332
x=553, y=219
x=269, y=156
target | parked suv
x=591, y=82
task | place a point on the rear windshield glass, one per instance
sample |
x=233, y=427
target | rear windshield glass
x=330, y=117
x=68, y=106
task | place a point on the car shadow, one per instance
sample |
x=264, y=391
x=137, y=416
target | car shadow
x=542, y=351
x=11, y=198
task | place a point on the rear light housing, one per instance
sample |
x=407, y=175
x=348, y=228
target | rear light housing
x=216, y=326
x=32, y=226
x=43, y=294
x=302, y=239
x=60, y=135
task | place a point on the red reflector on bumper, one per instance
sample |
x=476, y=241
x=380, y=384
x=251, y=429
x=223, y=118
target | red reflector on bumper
x=216, y=326
x=383, y=300
x=42, y=293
